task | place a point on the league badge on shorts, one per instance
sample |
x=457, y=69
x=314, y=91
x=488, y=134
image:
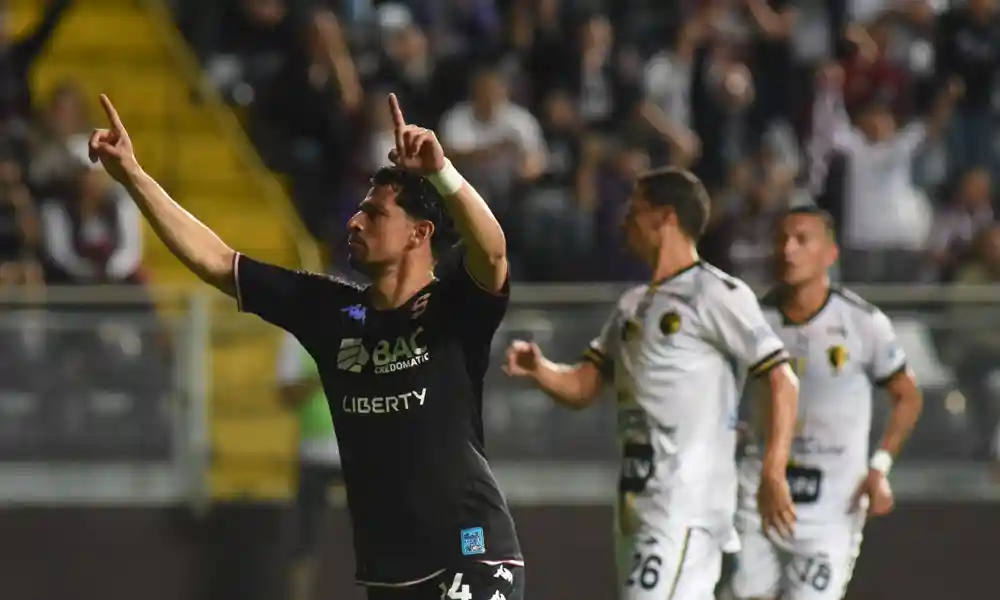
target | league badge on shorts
x=837, y=356
x=670, y=323
x=473, y=541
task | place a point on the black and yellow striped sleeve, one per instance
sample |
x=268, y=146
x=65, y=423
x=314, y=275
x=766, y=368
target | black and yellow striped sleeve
x=884, y=381
x=597, y=356
x=772, y=360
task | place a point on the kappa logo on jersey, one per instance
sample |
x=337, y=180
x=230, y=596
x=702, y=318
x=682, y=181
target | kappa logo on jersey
x=670, y=323
x=498, y=596
x=387, y=356
x=473, y=541
x=504, y=573
x=352, y=356
x=837, y=356
x=355, y=313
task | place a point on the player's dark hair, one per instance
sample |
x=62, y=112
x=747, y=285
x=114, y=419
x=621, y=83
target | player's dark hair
x=684, y=192
x=812, y=210
x=418, y=199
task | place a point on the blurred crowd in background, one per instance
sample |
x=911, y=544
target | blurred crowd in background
x=550, y=107
x=62, y=219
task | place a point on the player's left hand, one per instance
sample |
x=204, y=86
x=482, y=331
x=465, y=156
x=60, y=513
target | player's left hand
x=417, y=149
x=880, y=500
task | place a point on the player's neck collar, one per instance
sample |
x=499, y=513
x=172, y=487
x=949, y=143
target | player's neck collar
x=672, y=276
x=779, y=295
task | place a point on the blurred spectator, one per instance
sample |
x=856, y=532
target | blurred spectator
x=64, y=124
x=17, y=57
x=871, y=75
x=722, y=92
x=967, y=215
x=968, y=49
x=497, y=144
x=887, y=218
x=426, y=84
x=604, y=90
x=615, y=181
x=94, y=234
x=304, y=121
x=381, y=139
x=666, y=104
x=773, y=23
x=244, y=43
x=18, y=229
x=557, y=214
x=759, y=196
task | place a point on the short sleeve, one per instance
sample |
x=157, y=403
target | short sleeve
x=737, y=326
x=279, y=296
x=601, y=348
x=477, y=308
x=887, y=358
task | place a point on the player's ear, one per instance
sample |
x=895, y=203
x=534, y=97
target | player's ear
x=833, y=254
x=423, y=231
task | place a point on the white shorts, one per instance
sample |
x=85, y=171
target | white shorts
x=683, y=564
x=816, y=565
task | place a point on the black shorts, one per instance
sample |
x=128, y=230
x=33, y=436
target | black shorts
x=474, y=581
x=315, y=481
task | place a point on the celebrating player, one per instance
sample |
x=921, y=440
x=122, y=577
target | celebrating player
x=678, y=351
x=401, y=361
x=840, y=345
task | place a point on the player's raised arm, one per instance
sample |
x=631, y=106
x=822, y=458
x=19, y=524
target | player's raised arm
x=188, y=239
x=574, y=386
x=418, y=149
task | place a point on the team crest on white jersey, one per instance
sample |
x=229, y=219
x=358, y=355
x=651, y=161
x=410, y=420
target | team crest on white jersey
x=670, y=323
x=837, y=355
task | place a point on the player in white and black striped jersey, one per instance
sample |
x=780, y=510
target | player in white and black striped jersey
x=678, y=352
x=840, y=346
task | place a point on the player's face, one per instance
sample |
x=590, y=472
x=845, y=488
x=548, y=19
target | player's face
x=803, y=249
x=380, y=233
x=642, y=226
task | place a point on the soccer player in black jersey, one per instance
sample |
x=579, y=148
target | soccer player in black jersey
x=402, y=362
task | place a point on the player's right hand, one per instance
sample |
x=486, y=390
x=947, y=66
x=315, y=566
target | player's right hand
x=774, y=503
x=523, y=359
x=112, y=146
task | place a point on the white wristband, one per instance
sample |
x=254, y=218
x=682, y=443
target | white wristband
x=447, y=181
x=881, y=461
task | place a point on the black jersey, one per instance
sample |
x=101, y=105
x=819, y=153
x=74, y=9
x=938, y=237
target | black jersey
x=405, y=391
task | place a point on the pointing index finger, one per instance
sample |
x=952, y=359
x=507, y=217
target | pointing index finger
x=397, y=114
x=109, y=110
